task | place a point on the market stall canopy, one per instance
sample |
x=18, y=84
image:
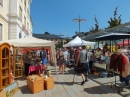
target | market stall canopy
x=113, y=36
x=78, y=42
x=29, y=42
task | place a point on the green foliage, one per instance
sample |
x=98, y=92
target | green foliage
x=96, y=28
x=59, y=44
x=67, y=40
x=115, y=21
x=46, y=33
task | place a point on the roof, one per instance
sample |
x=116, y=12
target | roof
x=124, y=28
x=81, y=34
x=47, y=36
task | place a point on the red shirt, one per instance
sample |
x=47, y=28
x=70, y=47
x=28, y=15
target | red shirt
x=77, y=54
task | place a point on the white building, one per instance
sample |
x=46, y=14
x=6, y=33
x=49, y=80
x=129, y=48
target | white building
x=20, y=23
x=4, y=8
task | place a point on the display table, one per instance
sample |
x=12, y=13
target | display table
x=103, y=66
x=100, y=65
x=35, y=68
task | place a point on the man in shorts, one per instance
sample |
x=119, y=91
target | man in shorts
x=82, y=59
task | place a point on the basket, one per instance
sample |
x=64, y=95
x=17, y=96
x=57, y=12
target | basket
x=35, y=85
x=49, y=83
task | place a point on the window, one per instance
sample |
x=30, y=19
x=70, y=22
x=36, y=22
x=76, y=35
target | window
x=1, y=32
x=1, y=2
x=25, y=5
x=28, y=11
x=20, y=13
x=27, y=26
x=25, y=21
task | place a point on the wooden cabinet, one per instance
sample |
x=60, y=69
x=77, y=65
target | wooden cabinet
x=12, y=60
x=4, y=65
x=18, y=63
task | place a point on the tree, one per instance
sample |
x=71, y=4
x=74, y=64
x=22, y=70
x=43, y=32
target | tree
x=76, y=32
x=67, y=40
x=46, y=33
x=59, y=44
x=115, y=21
x=96, y=28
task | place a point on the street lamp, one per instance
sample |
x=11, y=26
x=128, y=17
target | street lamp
x=79, y=20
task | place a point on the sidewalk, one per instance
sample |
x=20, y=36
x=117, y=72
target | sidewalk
x=69, y=86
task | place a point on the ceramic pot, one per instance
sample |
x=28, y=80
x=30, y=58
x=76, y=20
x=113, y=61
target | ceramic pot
x=48, y=73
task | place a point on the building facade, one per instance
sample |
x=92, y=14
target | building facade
x=20, y=23
x=4, y=19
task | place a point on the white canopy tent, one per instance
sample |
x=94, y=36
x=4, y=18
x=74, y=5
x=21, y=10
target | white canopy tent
x=79, y=42
x=33, y=42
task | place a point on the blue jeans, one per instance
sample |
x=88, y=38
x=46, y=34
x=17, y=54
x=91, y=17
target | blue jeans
x=87, y=67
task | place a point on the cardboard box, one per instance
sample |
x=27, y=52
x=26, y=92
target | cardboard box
x=35, y=83
x=2, y=93
x=49, y=83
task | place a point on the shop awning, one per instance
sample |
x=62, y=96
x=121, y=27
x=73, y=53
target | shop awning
x=113, y=36
x=124, y=28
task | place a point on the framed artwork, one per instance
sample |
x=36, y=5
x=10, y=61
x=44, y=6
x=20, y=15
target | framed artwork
x=11, y=89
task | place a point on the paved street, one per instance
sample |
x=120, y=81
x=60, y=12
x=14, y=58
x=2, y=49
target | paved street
x=66, y=86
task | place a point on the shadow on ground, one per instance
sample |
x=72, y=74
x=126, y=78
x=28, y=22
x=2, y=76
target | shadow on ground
x=24, y=89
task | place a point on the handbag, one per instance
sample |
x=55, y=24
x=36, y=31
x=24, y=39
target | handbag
x=128, y=77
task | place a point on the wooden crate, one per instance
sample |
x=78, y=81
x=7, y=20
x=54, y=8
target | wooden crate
x=49, y=83
x=2, y=93
x=37, y=85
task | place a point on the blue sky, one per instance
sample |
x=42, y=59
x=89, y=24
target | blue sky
x=55, y=16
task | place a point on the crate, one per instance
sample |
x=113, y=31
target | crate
x=49, y=83
x=35, y=85
x=2, y=93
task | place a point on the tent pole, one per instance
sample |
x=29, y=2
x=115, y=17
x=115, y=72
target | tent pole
x=128, y=42
x=110, y=45
x=123, y=43
x=98, y=44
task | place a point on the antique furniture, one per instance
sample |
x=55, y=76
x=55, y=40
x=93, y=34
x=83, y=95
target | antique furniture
x=4, y=65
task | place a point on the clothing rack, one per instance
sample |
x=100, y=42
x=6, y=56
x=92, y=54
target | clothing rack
x=115, y=83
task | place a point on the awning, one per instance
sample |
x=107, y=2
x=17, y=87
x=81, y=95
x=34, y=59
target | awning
x=124, y=28
x=113, y=36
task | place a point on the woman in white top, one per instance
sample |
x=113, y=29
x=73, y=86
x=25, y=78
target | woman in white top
x=98, y=53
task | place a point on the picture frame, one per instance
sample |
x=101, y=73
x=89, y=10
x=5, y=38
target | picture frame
x=11, y=89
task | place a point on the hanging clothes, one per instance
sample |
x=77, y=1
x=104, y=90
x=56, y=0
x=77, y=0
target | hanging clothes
x=120, y=64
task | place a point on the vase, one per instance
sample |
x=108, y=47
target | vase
x=48, y=73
